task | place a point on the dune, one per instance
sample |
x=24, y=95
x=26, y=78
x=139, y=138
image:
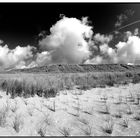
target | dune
x=109, y=111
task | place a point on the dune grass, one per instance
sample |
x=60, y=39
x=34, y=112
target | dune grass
x=48, y=85
x=47, y=117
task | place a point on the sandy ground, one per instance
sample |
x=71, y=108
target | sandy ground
x=106, y=111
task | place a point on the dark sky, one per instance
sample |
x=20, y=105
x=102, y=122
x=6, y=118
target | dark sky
x=20, y=23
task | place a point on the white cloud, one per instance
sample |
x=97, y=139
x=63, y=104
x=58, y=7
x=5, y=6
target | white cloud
x=101, y=38
x=68, y=41
x=71, y=41
x=11, y=58
x=129, y=52
x=136, y=32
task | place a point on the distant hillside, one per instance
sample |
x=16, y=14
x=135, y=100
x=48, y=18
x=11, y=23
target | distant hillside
x=69, y=68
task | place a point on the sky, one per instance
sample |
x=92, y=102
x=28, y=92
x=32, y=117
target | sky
x=21, y=22
x=36, y=34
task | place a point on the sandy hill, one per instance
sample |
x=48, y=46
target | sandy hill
x=75, y=68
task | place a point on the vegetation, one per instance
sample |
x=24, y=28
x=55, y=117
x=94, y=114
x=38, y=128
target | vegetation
x=124, y=122
x=48, y=85
x=108, y=127
x=82, y=68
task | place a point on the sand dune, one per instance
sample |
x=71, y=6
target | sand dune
x=97, y=112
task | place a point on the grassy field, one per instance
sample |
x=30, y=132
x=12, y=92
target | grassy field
x=47, y=85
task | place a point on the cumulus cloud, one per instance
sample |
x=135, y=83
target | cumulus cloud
x=104, y=55
x=101, y=38
x=14, y=57
x=129, y=52
x=126, y=52
x=68, y=41
x=42, y=59
x=71, y=41
x=136, y=32
x=77, y=44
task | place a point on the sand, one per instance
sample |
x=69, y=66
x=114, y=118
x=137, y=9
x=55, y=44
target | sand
x=110, y=111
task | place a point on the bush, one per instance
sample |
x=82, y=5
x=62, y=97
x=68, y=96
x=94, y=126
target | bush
x=136, y=79
x=129, y=74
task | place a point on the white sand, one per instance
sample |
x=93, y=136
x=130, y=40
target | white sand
x=95, y=112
